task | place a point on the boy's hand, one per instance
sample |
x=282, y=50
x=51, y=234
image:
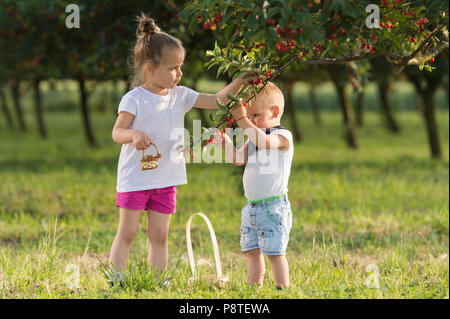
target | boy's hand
x=238, y=111
x=141, y=140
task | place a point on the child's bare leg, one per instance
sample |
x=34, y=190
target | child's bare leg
x=128, y=228
x=255, y=267
x=158, y=231
x=280, y=270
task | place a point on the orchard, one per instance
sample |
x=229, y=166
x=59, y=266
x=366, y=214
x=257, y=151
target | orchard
x=365, y=87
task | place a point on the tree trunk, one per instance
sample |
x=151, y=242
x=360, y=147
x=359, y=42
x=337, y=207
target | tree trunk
x=359, y=109
x=290, y=105
x=430, y=122
x=17, y=106
x=5, y=109
x=427, y=109
x=85, y=113
x=314, y=105
x=383, y=88
x=346, y=108
x=38, y=108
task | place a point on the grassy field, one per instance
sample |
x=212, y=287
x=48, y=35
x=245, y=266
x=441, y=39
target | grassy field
x=386, y=205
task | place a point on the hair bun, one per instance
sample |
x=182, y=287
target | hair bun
x=147, y=25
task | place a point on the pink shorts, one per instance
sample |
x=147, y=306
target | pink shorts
x=162, y=200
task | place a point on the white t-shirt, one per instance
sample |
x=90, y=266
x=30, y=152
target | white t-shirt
x=267, y=171
x=157, y=116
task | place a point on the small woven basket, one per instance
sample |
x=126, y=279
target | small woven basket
x=150, y=161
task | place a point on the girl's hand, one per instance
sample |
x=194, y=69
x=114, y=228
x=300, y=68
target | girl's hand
x=141, y=140
x=247, y=77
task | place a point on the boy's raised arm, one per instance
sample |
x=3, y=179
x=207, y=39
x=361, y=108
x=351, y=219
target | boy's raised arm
x=256, y=135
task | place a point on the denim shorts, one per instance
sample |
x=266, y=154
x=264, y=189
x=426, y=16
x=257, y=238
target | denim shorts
x=266, y=226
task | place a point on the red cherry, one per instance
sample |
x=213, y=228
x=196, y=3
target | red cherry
x=432, y=60
x=244, y=104
x=342, y=31
x=205, y=26
x=227, y=118
x=374, y=37
x=229, y=125
x=332, y=37
x=271, y=21
x=231, y=121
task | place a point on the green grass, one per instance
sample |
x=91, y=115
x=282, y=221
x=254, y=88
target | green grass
x=386, y=204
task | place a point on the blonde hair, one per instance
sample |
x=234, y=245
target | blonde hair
x=150, y=47
x=271, y=95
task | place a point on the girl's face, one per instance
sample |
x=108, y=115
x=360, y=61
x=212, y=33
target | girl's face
x=168, y=73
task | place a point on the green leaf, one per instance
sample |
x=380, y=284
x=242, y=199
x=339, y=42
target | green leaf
x=192, y=25
x=272, y=11
x=232, y=97
x=271, y=38
x=229, y=32
x=252, y=22
x=186, y=13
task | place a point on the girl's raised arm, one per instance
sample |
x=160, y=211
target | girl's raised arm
x=208, y=101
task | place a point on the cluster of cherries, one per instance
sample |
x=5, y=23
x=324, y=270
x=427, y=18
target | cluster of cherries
x=211, y=140
x=289, y=43
x=230, y=121
x=368, y=47
x=212, y=22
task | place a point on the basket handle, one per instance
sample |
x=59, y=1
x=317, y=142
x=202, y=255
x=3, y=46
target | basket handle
x=214, y=242
x=156, y=147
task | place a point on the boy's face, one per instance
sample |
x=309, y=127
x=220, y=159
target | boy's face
x=168, y=73
x=261, y=115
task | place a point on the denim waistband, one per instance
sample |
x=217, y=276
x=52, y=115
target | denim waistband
x=270, y=200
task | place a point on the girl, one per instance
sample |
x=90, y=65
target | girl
x=147, y=114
